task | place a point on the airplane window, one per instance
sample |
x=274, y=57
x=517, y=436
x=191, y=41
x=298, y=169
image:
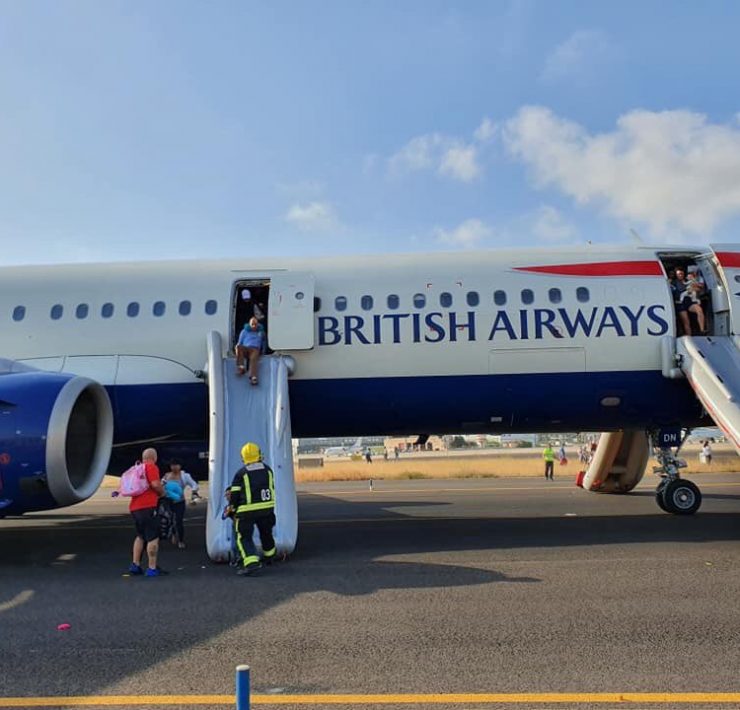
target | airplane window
x=445, y=299
x=19, y=313
x=107, y=310
x=132, y=310
x=420, y=300
x=499, y=298
x=527, y=296
x=473, y=298
x=57, y=311
x=184, y=308
x=211, y=307
x=158, y=308
x=737, y=278
x=582, y=294
x=366, y=302
x=555, y=295
x=82, y=311
x=340, y=303
x=316, y=304
x=393, y=301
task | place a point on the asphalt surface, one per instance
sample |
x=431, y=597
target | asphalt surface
x=459, y=586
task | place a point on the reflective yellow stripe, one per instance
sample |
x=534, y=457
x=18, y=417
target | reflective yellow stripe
x=255, y=506
x=239, y=545
x=247, y=489
x=269, y=553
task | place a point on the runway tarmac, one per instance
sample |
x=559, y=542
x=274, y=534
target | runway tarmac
x=478, y=586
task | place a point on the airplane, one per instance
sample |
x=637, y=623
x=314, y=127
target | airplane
x=355, y=448
x=104, y=359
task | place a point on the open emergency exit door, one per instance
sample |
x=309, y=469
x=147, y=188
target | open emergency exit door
x=290, y=308
x=727, y=261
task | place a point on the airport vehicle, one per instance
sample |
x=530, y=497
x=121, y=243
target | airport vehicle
x=131, y=354
x=355, y=448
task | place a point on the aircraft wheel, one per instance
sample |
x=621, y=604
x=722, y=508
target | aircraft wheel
x=681, y=497
x=659, y=495
x=661, y=503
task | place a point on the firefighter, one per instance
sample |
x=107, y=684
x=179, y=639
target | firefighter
x=253, y=502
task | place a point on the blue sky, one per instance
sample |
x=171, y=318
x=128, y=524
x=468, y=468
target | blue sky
x=153, y=130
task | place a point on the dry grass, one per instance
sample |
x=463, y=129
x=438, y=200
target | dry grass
x=497, y=465
x=494, y=466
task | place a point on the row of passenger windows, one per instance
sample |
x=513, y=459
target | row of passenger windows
x=472, y=298
x=107, y=310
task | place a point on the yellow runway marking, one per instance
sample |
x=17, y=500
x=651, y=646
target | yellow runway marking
x=389, y=699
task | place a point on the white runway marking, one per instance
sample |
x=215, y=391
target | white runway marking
x=17, y=600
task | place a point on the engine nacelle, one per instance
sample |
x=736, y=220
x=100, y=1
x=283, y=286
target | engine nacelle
x=56, y=434
x=618, y=463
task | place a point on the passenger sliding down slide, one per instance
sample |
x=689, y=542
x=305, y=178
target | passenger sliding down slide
x=240, y=412
x=712, y=367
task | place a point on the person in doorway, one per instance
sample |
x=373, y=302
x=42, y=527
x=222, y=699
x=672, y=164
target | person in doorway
x=252, y=309
x=143, y=509
x=549, y=456
x=249, y=347
x=253, y=501
x=175, y=483
x=686, y=299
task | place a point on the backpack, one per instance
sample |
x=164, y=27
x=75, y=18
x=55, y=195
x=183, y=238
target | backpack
x=134, y=481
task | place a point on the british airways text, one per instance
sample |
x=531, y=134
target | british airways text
x=531, y=324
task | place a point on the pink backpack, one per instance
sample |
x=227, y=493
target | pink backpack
x=134, y=481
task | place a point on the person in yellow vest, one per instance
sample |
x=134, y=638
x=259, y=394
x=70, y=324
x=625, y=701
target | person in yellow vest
x=549, y=455
x=253, y=501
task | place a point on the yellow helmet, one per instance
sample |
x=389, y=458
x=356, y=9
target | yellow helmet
x=251, y=453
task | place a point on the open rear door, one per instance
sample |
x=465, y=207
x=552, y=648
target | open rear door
x=290, y=308
x=727, y=259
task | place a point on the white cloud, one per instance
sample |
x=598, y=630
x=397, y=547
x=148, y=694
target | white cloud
x=671, y=169
x=460, y=162
x=420, y=153
x=577, y=57
x=446, y=155
x=550, y=225
x=467, y=234
x=313, y=216
x=486, y=131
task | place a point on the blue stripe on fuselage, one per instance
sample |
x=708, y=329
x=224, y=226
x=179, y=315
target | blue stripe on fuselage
x=411, y=405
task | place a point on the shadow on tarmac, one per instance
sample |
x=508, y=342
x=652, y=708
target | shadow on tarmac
x=121, y=625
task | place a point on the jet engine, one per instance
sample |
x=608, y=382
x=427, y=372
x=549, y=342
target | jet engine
x=56, y=433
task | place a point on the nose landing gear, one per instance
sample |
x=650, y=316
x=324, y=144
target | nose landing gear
x=674, y=494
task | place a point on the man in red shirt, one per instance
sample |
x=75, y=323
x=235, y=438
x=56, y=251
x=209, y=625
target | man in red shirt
x=143, y=509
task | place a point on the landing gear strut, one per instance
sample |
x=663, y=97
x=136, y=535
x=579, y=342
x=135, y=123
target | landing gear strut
x=674, y=494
